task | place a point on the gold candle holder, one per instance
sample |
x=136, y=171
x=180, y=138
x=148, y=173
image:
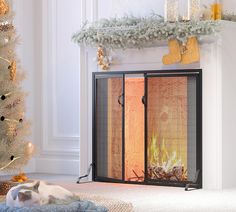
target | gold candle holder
x=216, y=11
x=171, y=10
x=194, y=9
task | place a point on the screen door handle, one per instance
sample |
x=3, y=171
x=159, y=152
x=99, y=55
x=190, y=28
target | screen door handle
x=144, y=100
x=120, y=100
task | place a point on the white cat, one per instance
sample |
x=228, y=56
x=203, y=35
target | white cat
x=38, y=193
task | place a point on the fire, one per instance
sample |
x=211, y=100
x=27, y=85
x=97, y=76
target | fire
x=163, y=164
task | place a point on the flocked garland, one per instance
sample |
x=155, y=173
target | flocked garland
x=133, y=32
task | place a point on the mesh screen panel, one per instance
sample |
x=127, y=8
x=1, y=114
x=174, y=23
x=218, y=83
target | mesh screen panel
x=109, y=128
x=171, y=117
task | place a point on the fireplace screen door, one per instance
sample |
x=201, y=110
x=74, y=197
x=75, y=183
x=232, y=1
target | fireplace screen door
x=171, y=128
x=108, y=127
x=147, y=127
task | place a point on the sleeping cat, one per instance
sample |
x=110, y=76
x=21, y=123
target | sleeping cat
x=38, y=193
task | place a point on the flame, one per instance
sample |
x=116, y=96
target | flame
x=160, y=156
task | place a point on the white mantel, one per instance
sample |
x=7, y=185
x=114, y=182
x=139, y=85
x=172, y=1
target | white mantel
x=218, y=63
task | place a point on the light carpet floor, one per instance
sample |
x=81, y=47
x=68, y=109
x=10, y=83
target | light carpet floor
x=151, y=198
x=162, y=199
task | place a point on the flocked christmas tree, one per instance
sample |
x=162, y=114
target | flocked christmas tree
x=15, y=150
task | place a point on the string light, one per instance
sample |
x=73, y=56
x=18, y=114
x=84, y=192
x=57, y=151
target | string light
x=4, y=96
x=3, y=118
x=13, y=159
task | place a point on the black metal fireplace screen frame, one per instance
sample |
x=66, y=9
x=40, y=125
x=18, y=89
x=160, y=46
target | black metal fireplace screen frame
x=197, y=73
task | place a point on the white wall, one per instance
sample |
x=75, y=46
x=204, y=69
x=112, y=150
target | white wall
x=24, y=23
x=51, y=62
x=59, y=147
x=119, y=8
x=228, y=107
x=229, y=5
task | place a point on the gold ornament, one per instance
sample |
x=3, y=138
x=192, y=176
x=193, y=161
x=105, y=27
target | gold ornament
x=30, y=149
x=102, y=59
x=174, y=55
x=191, y=52
x=12, y=69
x=4, y=8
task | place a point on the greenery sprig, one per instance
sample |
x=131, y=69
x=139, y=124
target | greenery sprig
x=229, y=17
x=135, y=32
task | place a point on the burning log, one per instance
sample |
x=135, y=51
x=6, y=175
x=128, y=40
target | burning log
x=177, y=173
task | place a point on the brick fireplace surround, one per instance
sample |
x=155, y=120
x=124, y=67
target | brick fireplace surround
x=218, y=83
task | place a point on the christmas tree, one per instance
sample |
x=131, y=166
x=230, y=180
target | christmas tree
x=15, y=150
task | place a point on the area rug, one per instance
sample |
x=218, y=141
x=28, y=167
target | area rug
x=2, y=198
x=112, y=205
x=76, y=206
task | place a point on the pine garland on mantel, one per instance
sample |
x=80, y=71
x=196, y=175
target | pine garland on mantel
x=133, y=32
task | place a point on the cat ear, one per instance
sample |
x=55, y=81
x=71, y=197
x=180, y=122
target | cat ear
x=36, y=186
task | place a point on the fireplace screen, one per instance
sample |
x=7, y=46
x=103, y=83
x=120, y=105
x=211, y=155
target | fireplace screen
x=147, y=127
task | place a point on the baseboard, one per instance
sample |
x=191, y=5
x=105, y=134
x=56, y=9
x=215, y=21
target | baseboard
x=57, y=166
x=30, y=168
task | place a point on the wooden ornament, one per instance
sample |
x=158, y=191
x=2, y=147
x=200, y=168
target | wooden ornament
x=4, y=8
x=174, y=55
x=191, y=52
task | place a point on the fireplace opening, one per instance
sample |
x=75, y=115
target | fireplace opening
x=147, y=127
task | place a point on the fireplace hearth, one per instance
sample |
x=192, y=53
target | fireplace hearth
x=147, y=127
